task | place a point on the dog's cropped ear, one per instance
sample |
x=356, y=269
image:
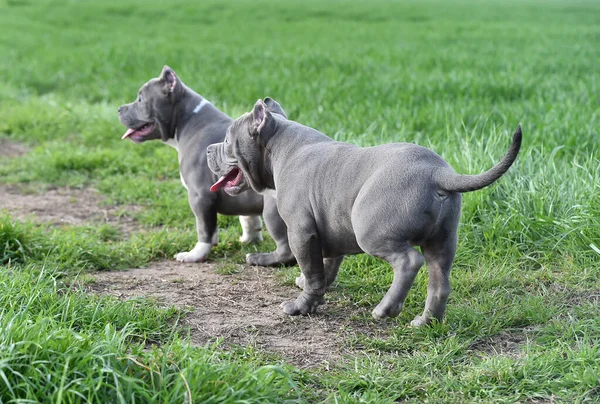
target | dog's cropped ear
x=260, y=116
x=274, y=107
x=169, y=80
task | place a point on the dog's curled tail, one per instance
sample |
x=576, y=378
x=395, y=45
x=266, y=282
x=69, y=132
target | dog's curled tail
x=449, y=181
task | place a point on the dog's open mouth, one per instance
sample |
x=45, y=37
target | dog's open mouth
x=229, y=181
x=142, y=131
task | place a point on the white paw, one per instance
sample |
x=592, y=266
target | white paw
x=251, y=229
x=256, y=237
x=419, y=321
x=198, y=254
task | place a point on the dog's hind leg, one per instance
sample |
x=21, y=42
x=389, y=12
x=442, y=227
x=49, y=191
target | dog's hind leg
x=438, y=256
x=406, y=262
x=251, y=229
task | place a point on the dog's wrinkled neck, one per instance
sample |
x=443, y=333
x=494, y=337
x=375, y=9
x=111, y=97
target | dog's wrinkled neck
x=258, y=172
x=266, y=162
x=266, y=171
x=172, y=120
x=179, y=102
x=172, y=131
x=278, y=141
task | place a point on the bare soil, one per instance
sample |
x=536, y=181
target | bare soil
x=509, y=344
x=242, y=308
x=65, y=206
x=59, y=206
x=9, y=148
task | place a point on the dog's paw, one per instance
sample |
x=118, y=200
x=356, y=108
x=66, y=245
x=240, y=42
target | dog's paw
x=198, y=254
x=260, y=259
x=265, y=259
x=421, y=321
x=189, y=257
x=382, y=311
x=301, y=306
x=251, y=238
x=300, y=281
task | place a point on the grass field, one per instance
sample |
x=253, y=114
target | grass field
x=453, y=76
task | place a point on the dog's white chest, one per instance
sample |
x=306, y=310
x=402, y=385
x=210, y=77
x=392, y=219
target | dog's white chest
x=270, y=192
x=173, y=143
x=183, y=181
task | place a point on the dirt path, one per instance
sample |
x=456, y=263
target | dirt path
x=59, y=206
x=9, y=148
x=65, y=206
x=242, y=308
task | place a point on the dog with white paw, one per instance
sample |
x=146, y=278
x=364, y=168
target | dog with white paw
x=166, y=109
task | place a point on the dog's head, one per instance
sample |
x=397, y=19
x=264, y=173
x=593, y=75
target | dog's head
x=242, y=160
x=152, y=115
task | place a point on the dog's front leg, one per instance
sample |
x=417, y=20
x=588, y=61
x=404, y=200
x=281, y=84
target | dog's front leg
x=307, y=250
x=331, y=267
x=278, y=230
x=205, y=211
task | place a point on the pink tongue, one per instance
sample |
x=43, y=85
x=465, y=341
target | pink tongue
x=128, y=133
x=219, y=184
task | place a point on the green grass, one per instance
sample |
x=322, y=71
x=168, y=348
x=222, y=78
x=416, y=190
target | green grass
x=64, y=346
x=453, y=76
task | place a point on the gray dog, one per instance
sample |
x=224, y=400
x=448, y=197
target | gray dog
x=337, y=199
x=166, y=109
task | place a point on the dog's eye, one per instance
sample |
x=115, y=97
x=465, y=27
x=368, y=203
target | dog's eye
x=227, y=140
x=140, y=98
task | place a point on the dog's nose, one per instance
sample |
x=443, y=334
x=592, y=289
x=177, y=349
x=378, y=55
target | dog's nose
x=120, y=109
